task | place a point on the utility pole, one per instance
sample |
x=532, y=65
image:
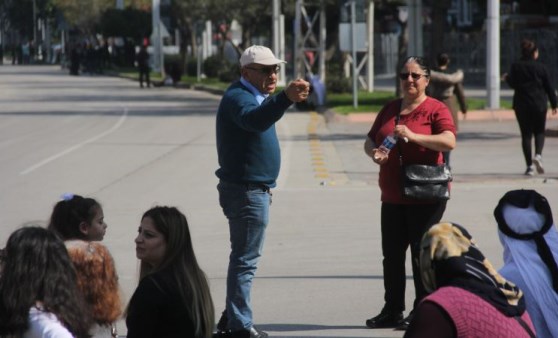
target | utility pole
x=35, y=22
x=158, y=57
x=278, y=38
x=354, y=53
x=493, y=54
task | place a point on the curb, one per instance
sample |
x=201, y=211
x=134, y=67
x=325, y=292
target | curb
x=475, y=115
x=330, y=116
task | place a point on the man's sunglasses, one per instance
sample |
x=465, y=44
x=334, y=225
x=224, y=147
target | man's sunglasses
x=266, y=70
x=415, y=76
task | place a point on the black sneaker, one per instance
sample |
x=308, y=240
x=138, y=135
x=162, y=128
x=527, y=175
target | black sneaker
x=404, y=323
x=384, y=320
x=255, y=333
x=252, y=333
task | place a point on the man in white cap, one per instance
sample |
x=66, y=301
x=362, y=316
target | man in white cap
x=249, y=161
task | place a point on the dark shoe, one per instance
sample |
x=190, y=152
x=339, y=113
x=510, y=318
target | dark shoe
x=252, y=333
x=222, y=323
x=230, y=334
x=404, y=323
x=385, y=319
x=255, y=333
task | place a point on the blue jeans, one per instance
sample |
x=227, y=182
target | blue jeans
x=246, y=206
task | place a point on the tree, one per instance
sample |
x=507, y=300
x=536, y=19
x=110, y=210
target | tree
x=86, y=14
x=16, y=15
x=129, y=23
x=438, y=28
x=188, y=13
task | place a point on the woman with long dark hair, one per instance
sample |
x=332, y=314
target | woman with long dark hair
x=173, y=297
x=38, y=289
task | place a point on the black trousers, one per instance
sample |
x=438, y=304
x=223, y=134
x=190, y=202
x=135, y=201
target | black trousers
x=144, y=76
x=532, y=124
x=402, y=227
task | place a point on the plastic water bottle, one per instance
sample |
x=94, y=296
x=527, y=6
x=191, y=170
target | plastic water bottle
x=388, y=144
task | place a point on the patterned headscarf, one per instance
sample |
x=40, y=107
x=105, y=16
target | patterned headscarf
x=450, y=257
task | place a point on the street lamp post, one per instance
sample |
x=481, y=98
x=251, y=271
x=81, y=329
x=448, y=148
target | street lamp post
x=34, y=21
x=158, y=61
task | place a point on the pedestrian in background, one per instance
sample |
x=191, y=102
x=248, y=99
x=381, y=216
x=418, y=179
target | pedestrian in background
x=39, y=296
x=448, y=88
x=467, y=297
x=532, y=86
x=172, y=299
x=249, y=161
x=425, y=129
x=528, y=235
x=143, y=66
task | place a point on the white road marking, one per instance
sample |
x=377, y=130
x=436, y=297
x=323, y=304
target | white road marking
x=77, y=146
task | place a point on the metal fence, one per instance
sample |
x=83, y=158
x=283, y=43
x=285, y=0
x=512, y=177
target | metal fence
x=468, y=52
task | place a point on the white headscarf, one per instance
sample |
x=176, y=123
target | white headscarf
x=524, y=266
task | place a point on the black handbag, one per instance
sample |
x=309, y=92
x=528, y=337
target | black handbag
x=426, y=182
x=423, y=181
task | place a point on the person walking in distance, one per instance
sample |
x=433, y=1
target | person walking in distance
x=532, y=86
x=143, y=66
x=249, y=160
x=448, y=88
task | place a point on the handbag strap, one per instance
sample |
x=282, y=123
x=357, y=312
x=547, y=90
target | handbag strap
x=397, y=118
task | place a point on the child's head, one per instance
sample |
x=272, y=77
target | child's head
x=77, y=217
x=40, y=269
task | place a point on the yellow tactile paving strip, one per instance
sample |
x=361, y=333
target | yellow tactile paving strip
x=322, y=154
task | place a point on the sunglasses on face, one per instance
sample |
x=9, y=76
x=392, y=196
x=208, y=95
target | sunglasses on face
x=266, y=70
x=415, y=76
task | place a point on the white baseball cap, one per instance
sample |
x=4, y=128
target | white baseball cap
x=260, y=55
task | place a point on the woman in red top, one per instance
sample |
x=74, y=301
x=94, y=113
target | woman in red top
x=427, y=128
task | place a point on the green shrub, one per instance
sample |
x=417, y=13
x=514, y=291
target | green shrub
x=174, y=67
x=192, y=67
x=230, y=72
x=212, y=65
x=338, y=84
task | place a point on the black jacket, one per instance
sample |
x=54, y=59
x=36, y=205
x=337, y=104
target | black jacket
x=531, y=83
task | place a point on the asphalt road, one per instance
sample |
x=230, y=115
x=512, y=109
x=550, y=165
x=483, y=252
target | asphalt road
x=132, y=148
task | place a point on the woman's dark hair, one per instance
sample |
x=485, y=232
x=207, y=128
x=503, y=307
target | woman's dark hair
x=528, y=49
x=69, y=213
x=181, y=260
x=37, y=268
x=442, y=59
x=420, y=61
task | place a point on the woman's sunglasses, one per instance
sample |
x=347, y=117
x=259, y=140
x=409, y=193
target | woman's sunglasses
x=415, y=76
